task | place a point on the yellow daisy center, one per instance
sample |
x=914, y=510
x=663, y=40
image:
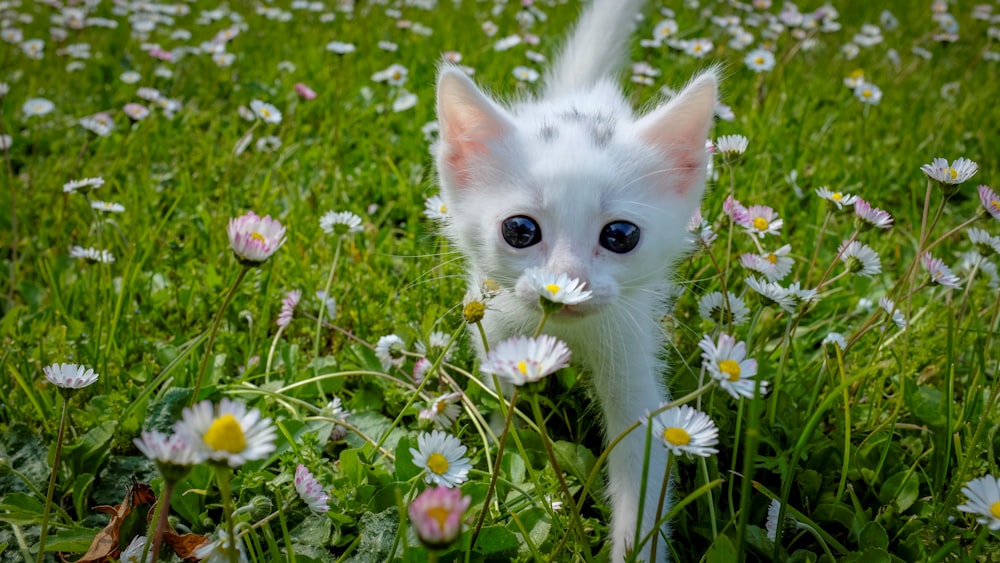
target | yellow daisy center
x=953, y=173
x=257, y=237
x=760, y=224
x=866, y=93
x=491, y=285
x=440, y=406
x=759, y=60
x=395, y=76
x=696, y=48
x=771, y=258
x=439, y=514
x=552, y=288
x=995, y=509
x=677, y=436
x=858, y=74
x=437, y=463
x=264, y=112
x=837, y=196
x=522, y=367
x=442, y=208
x=731, y=368
x=226, y=434
x=995, y=204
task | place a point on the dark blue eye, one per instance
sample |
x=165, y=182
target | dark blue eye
x=521, y=232
x=619, y=236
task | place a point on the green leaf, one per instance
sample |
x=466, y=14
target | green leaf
x=91, y=450
x=926, y=403
x=722, y=550
x=871, y=555
x=81, y=489
x=72, y=540
x=495, y=540
x=873, y=535
x=162, y=414
x=20, y=509
x=575, y=459
x=902, y=488
x=405, y=469
x=352, y=466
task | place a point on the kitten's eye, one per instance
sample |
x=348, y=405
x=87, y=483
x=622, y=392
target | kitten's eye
x=521, y=232
x=619, y=236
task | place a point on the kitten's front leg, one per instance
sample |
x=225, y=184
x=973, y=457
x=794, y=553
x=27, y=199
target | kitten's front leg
x=625, y=397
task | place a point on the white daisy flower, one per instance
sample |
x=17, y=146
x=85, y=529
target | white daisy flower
x=773, y=265
x=664, y=29
x=990, y=201
x=133, y=553
x=136, y=112
x=889, y=306
x=443, y=410
x=800, y=294
x=940, y=273
x=860, y=259
x=836, y=199
x=759, y=60
x=405, y=100
x=441, y=456
x=836, y=339
x=686, y=432
x=83, y=186
x=984, y=501
x=712, y=307
x=336, y=411
x=698, y=48
x=340, y=223
x=434, y=208
x=69, y=376
x=130, y=77
x=288, y=305
x=227, y=432
x=762, y=220
x=437, y=342
x=868, y=93
x=254, y=239
x=871, y=216
x=986, y=244
x=526, y=74
x=773, y=293
x=221, y=549
x=310, y=491
x=955, y=173
x=732, y=145
x=99, y=124
x=107, y=206
x=556, y=288
x=389, y=350
x=771, y=526
x=265, y=111
x=340, y=48
x=168, y=449
x=91, y=255
x=727, y=362
x=520, y=359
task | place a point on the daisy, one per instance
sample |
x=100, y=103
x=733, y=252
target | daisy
x=986, y=244
x=441, y=456
x=759, y=60
x=664, y=29
x=836, y=199
x=340, y=223
x=771, y=526
x=149, y=94
x=712, y=307
x=227, y=432
x=773, y=293
x=83, y=185
x=69, y=376
x=868, y=93
x=265, y=111
x=223, y=59
x=305, y=92
x=940, y=273
x=434, y=208
x=34, y=48
x=444, y=410
x=91, y=255
x=437, y=342
x=520, y=359
x=732, y=145
x=554, y=288
x=335, y=410
x=11, y=35
x=340, y=48
x=860, y=259
x=5, y=142
x=310, y=491
x=136, y=112
x=389, y=350
x=288, y=305
x=107, y=206
x=990, y=201
x=955, y=173
x=686, y=432
x=728, y=364
x=254, y=239
x=37, y=106
x=436, y=515
x=525, y=74
x=835, y=339
x=405, y=100
x=801, y=295
x=698, y=48
x=168, y=449
x=762, y=221
x=774, y=265
x=420, y=369
x=984, y=500
x=889, y=306
x=736, y=212
x=133, y=553
x=221, y=549
x=869, y=216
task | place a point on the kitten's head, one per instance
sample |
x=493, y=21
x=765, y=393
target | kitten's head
x=577, y=185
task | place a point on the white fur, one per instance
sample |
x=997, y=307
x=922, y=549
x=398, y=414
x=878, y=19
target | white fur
x=574, y=161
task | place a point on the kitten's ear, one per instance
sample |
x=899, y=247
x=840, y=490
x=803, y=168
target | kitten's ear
x=471, y=124
x=679, y=128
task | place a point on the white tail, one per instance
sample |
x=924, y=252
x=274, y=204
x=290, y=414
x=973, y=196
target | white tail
x=596, y=48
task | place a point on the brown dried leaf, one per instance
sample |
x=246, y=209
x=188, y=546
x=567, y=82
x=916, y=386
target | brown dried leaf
x=184, y=545
x=106, y=541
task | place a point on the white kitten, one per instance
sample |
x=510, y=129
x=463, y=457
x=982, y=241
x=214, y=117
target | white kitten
x=576, y=183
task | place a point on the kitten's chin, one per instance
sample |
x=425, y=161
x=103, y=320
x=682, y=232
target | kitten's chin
x=571, y=313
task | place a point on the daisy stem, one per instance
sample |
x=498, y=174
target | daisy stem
x=659, y=505
x=215, y=331
x=222, y=474
x=547, y=443
x=482, y=335
x=270, y=353
x=52, y=479
x=322, y=309
x=541, y=322
x=836, y=259
x=289, y=548
x=508, y=420
x=163, y=510
x=819, y=538
x=819, y=244
x=711, y=501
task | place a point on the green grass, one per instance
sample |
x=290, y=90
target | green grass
x=868, y=450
